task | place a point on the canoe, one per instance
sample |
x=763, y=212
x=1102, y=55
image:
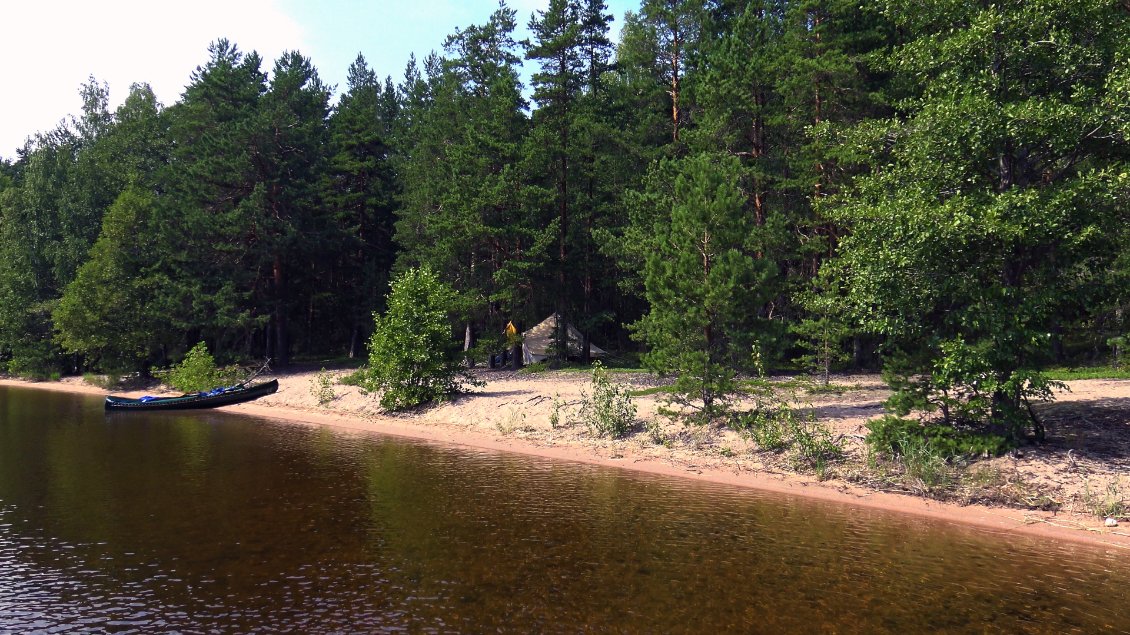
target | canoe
x=211, y=399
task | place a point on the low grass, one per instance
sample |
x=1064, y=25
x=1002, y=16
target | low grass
x=653, y=390
x=1106, y=500
x=1087, y=372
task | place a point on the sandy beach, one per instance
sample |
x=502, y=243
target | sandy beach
x=1044, y=491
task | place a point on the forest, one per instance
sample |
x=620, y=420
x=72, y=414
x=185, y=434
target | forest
x=938, y=190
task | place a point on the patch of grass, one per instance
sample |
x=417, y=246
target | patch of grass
x=988, y=484
x=561, y=413
x=654, y=390
x=106, y=382
x=534, y=369
x=830, y=389
x=356, y=378
x=1107, y=501
x=780, y=429
x=515, y=419
x=1091, y=372
x=656, y=434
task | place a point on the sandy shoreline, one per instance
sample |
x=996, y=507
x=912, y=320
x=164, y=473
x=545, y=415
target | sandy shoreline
x=513, y=411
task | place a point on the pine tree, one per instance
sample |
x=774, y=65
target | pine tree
x=206, y=224
x=290, y=162
x=557, y=46
x=700, y=278
x=464, y=209
x=677, y=27
x=361, y=191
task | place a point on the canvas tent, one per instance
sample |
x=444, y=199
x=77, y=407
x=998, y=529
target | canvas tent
x=537, y=343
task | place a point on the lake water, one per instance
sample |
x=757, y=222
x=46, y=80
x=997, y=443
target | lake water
x=218, y=523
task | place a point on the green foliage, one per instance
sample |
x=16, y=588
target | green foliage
x=995, y=205
x=109, y=312
x=356, y=378
x=108, y=381
x=780, y=428
x=1095, y=372
x=464, y=210
x=556, y=410
x=959, y=170
x=322, y=387
x=197, y=371
x=534, y=369
x=897, y=437
x=768, y=429
x=361, y=190
x=821, y=333
x=700, y=282
x=484, y=347
x=413, y=358
x=608, y=410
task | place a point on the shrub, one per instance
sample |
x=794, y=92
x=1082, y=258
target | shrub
x=1110, y=502
x=609, y=411
x=322, y=387
x=197, y=371
x=764, y=428
x=558, y=413
x=895, y=436
x=925, y=452
x=780, y=428
x=534, y=368
x=108, y=381
x=356, y=378
x=413, y=358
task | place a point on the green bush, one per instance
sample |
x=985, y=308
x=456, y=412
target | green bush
x=413, y=358
x=356, y=378
x=197, y=372
x=609, y=410
x=780, y=428
x=322, y=387
x=765, y=428
x=534, y=368
x=895, y=436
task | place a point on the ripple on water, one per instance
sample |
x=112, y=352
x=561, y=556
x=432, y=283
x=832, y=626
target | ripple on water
x=216, y=523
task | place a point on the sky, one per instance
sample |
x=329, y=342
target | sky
x=52, y=47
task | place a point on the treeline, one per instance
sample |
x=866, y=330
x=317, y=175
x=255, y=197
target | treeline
x=937, y=187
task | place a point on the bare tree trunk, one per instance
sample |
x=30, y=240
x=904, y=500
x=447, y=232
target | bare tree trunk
x=354, y=341
x=282, y=358
x=467, y=342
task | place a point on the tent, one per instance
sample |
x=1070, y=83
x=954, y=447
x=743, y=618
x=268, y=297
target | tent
x=537, y=343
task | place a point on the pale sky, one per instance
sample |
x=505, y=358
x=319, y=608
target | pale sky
x=51, y=47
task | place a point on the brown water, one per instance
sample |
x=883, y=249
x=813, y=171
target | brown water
x=218, y=523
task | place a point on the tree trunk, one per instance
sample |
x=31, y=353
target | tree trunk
x=676, y=61
x=467, y=342
x=282, y=357
x=354, y=341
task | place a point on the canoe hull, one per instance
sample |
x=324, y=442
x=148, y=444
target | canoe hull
x=194, y=402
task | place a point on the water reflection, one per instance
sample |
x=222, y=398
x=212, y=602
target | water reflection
x=199, y=522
